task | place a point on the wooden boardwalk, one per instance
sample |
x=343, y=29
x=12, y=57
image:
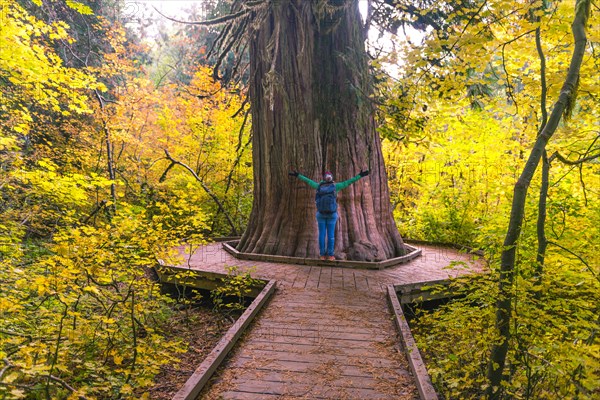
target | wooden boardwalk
x=327, y=333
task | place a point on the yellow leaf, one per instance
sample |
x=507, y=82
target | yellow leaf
x=79, y=7
x=18, y=393
x=91, y=289
x=126, y=389
x=11, y=377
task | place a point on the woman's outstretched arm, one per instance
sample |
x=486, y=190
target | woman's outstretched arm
x=345, y=184
x=309, y=181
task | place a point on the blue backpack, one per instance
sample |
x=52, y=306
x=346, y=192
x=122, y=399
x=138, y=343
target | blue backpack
x=326, y=198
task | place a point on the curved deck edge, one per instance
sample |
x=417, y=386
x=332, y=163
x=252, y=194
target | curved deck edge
x=413, y=253
x=415, y=361
x=196, y=382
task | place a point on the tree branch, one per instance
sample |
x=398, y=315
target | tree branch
x=210, y=22
x=206, y=189
x=241, y=107
x=578, y=257
x=564, y=160
x=65, y=385
x=7, y=366
x=509, y=85
x=164, y=174
x=98, y=207
x=236, y=162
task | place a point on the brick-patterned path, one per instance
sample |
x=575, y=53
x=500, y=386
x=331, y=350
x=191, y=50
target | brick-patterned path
x=327, y=333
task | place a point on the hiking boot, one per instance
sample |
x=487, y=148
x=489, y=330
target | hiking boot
x=322, y=258
x=330, y=258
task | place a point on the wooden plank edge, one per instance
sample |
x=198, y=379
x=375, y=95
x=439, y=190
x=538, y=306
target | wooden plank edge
x=461, y=247
x=202, y=374
x=193, y=278
x=414, y=253
x=415, y=361
x=406, y=288
x=415, y=288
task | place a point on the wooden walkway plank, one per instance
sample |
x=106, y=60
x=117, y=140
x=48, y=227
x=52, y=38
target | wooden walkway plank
x=349, y=282
x=360, y=280
x=321, y=332
x=325, y=279
x=307, y=368
x=304, y=315
x=324, y=342
x=337, y=278
x=331, y=379
x=313, y=278
x=364, y=351
x=321, y=358
x=315, y=390
x=301, y=278
x=230, y=395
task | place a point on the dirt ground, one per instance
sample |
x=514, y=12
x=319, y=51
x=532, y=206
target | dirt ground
x=202, y=328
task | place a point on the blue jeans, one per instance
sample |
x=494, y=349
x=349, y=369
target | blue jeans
x=326, y=223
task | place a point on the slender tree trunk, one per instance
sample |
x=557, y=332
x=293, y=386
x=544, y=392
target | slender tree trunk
x=505, y=296
x=111, y=171
x=110, y=163
x=542, y=202
x=311, y=112
x=541, y=221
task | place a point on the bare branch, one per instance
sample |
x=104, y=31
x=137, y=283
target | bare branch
x=66, y=386
x=544, y=93
x=578, y=257
x=564, y=160
x=241, y=107
x=97, y=207
x=164, y=174
x=206, y=189
x=509, y=85
x=235, y=37
x=8, y=365
x=210, y=22
x=216, y=44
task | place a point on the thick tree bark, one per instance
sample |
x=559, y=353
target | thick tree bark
x=507, y=262
x=310, y=111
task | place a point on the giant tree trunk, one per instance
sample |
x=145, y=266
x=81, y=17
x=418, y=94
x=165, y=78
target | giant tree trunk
x=310, y=111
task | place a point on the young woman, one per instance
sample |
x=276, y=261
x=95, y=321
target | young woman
x=326, y=200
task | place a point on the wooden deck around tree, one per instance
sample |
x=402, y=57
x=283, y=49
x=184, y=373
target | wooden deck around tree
x=327, y=333
x=434, y=264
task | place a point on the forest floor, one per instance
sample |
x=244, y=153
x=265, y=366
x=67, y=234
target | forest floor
x=200, y=328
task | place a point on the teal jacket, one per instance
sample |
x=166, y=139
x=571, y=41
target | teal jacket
x=338, y=186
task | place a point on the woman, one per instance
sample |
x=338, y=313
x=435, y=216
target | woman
x=326, y=201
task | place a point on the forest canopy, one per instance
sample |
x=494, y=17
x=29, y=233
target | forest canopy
x=116, y=147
